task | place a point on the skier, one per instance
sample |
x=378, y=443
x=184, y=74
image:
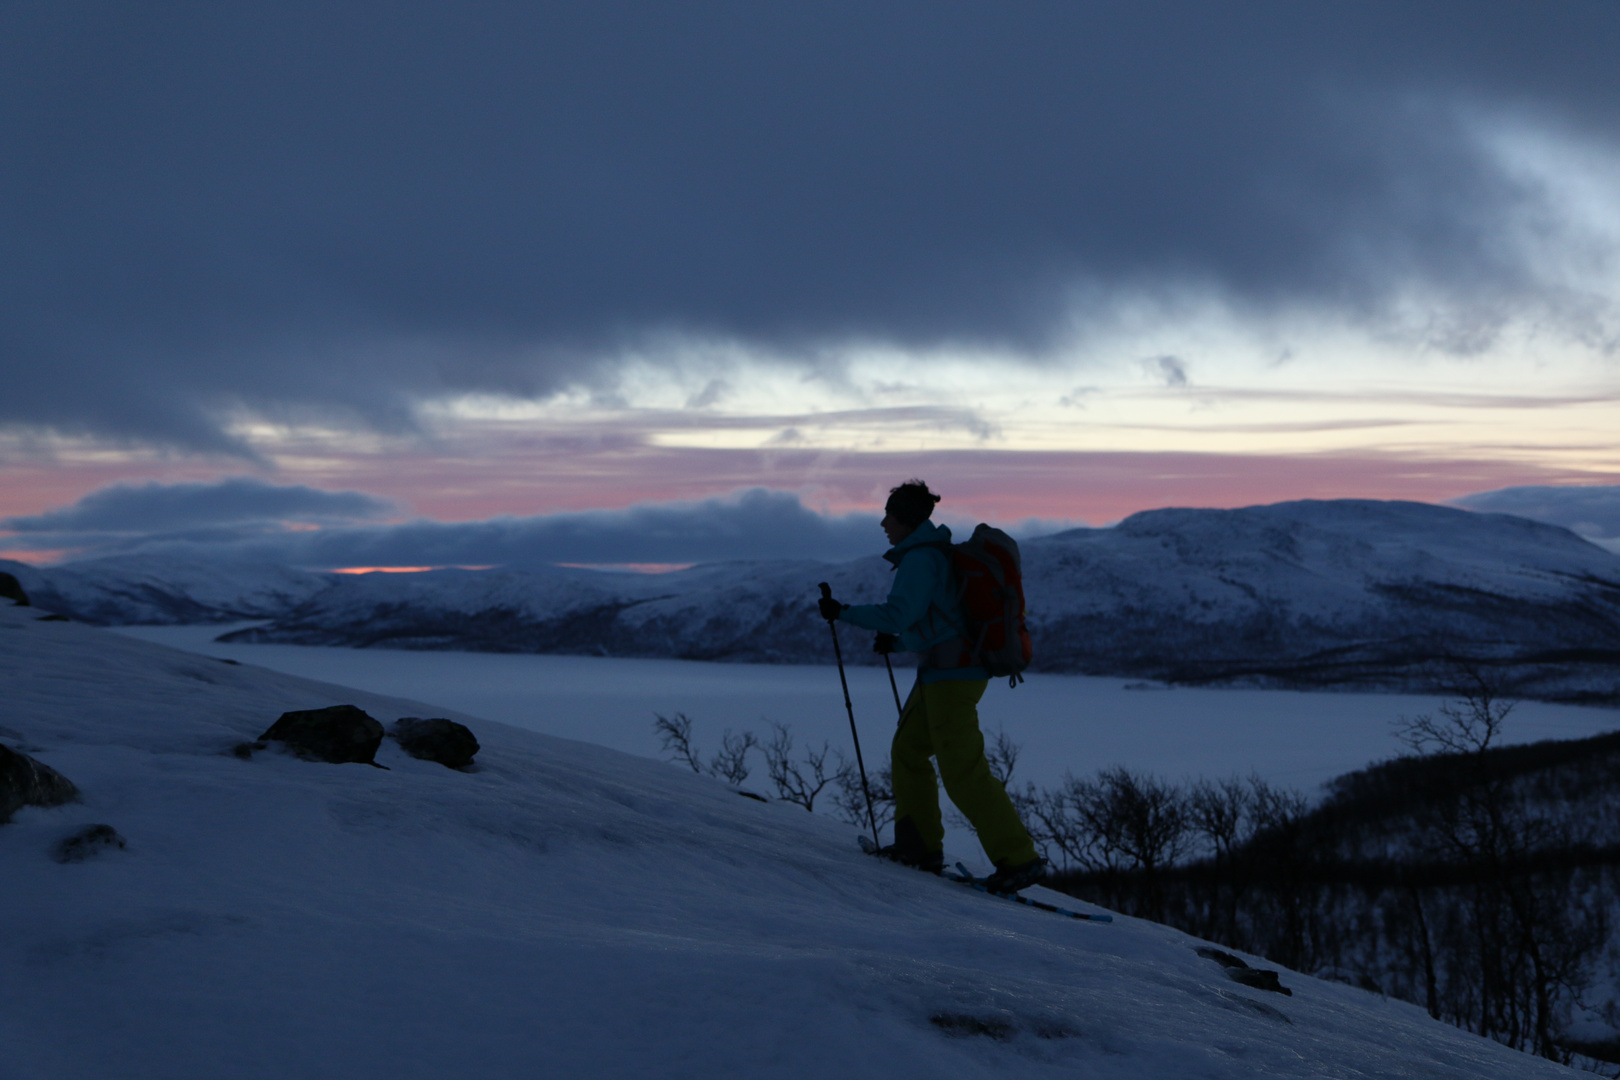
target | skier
x=940, y=719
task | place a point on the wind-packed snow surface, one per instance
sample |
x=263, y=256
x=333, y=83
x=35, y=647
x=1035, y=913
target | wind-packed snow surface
x=564, y=910
x=1346, y=593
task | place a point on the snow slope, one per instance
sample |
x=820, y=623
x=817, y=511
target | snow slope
x=563, y=910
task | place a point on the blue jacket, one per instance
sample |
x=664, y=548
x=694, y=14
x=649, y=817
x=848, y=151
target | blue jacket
x=922, y=609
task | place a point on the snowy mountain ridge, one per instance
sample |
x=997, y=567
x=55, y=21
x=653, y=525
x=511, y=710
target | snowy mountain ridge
x=1305, y=594
x=561, y=910
x=122, y=590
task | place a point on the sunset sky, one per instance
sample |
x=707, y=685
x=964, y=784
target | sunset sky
x=414, y=284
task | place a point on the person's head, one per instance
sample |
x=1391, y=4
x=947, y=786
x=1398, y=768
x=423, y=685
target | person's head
x=909, y=506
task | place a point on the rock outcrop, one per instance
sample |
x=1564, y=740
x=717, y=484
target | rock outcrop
x=445, y=741
x=11, y=589
x=26, y=782
x=87, y=843
x=338, y=734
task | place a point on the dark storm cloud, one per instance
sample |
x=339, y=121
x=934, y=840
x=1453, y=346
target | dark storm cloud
x=1593, y=511
x=753, y=524
x=150, y=508
x=343, y=207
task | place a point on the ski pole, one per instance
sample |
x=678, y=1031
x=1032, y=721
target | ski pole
x=899, y=709
x=871, y=816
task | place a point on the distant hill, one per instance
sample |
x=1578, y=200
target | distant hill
x=1346, y=593
x=128, y=590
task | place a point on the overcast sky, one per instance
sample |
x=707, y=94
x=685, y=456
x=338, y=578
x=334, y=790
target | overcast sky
x=474, y=260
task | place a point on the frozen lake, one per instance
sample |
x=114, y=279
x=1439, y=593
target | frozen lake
x=1064, y=723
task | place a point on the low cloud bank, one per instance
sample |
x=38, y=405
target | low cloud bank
x=241, y=519
x=1591, y=511
x=238, y=500
x=244, y=519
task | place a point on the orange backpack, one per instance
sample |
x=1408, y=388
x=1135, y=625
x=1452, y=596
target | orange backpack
x=990, y=586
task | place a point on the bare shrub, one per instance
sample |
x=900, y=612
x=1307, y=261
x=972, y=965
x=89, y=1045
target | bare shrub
x=801, y=780
x=675, y=732
x=1061, y=834
x=730, y=763
x=1002, y=754
x=850, y=800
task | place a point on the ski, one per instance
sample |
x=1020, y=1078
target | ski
x=963, y=877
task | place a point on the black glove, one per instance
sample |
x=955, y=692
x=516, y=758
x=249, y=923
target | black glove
x=830, y=608
x=884, y=644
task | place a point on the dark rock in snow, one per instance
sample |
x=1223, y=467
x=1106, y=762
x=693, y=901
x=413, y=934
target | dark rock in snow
x=26, y=782
x=11, y=589
x=445, y=741
x=1258, y=980
x=53, y=618
x=87, y=843
x=338, y=734
x=1240, y=972
x=1225, y=959
x=961, y=1024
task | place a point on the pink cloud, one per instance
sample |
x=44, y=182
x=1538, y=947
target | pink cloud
x=1004, y=485
x=483, y=477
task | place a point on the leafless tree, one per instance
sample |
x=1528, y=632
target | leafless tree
x=1053, y=819
x=1520, y=941
x=1141, y=817
x=1274, y=809
x=1219, y=810
x=1469, y=722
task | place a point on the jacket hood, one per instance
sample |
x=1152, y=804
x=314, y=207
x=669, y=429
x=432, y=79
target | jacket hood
x=926, y=533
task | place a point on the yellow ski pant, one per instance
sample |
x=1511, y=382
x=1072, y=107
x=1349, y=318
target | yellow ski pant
x=941, y=721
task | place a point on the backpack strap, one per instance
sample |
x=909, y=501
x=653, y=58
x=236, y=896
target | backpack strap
x=958, y=652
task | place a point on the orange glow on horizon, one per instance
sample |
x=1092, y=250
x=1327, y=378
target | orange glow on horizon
x=36, y=558
x=401, y=569
x=631, y=567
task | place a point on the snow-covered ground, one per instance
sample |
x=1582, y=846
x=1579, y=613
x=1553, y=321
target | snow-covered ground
x=565, y=910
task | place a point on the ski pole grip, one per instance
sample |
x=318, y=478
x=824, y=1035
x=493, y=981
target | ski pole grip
x=826, y=591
